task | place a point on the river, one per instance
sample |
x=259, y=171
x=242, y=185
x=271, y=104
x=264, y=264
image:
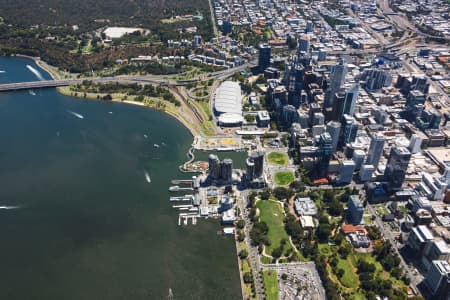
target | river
x=78, y=219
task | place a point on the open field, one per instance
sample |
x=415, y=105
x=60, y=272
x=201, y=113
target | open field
x=284, y=177
x=272, y=213
x=270, y=284
x=278, y=158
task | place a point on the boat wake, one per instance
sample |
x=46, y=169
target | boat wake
x=35, y=72
x=147, y=177
x=76, y=114
x=9, y=207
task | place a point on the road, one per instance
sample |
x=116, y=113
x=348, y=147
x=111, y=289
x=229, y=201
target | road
x=400, y=21
x=213, y=19
x=150, y=79
x=253, y=254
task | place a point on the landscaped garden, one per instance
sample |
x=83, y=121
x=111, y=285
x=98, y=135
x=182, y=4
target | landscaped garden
x=284, y=177
x=278, y=158
x=361, y=275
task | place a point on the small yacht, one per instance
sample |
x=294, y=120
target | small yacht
x=147, y=177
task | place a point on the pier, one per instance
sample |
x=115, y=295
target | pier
x=182, y=181
x=176, y=188
x=181, y=198
x=184, y=217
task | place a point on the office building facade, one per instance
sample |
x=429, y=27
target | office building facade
x=397, y=166
x=376, y=149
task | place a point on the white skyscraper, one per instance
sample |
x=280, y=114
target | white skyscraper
x=415, y=143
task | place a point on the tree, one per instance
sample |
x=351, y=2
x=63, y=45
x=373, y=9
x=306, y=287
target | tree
x=277, y=252
x=243, y=254
x=335, y=208
x=328, y=195
x=298, y=186
x=241, y=236
x=248, y=277
x=281, y=193
x=265, y=194
x=293, y=228
x=344, y=250
x=339, y=239
x=323, y=232
x=284, y=276
x=240, y=224
x=396, y=272
x=365, y=267
x=340, y=272
x=250, y=118
x=258, y=233
x=334, y=261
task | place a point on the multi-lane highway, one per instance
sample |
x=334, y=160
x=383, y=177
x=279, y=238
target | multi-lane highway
x=150, y=79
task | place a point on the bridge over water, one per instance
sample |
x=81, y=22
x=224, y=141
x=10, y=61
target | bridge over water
x=149, y=79
x=7, y=87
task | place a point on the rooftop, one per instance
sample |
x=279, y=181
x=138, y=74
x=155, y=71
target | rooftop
x=228, y=98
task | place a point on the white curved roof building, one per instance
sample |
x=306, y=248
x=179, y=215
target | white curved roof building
x=230, y=119
x=228, y=98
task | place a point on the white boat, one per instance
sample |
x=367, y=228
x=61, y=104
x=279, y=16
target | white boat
x=9, y=207
x=147, y=177
x=79, y=116
x=35, y=72
x=145, y=136
x=32, y=93
x=156, y=145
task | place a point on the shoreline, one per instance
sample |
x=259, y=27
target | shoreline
x=43, y=65
x=53, y=72
x=93, y=96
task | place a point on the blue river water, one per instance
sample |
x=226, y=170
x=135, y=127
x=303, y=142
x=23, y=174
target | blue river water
x=79, y=220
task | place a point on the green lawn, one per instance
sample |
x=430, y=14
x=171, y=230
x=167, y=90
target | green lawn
x=284, y=177
x=272, y=213
x=350, y=278
x=265, y=259
x=205, y=106
x=245, y=266
x=278, y=158
x=270, y=284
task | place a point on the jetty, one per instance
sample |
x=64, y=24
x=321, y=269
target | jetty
x=181, y=198
x=185, y=217
x=177, y=188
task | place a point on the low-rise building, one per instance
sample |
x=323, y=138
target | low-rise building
x=305, y=207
